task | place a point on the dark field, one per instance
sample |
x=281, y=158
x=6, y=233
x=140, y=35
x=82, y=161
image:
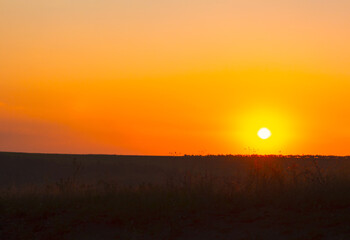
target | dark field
x=191, y=197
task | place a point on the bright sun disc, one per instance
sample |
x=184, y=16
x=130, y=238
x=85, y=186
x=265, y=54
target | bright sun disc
x=264, y=133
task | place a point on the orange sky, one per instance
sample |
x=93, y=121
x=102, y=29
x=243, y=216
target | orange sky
x=191, y=77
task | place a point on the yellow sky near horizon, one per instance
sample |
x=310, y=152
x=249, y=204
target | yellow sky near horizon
x=192, y=77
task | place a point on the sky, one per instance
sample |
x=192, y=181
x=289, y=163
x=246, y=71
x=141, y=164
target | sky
x=175, y=77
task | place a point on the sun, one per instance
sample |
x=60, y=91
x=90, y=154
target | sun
x=264, y=133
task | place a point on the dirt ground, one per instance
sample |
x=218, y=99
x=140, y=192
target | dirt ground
x=249, y=224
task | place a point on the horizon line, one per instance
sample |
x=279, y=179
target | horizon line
x=183, y=155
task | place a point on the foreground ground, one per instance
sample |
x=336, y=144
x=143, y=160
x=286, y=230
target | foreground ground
x=191, y=197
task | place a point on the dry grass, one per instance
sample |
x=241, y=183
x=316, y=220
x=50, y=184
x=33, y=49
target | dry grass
x=269, y=182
